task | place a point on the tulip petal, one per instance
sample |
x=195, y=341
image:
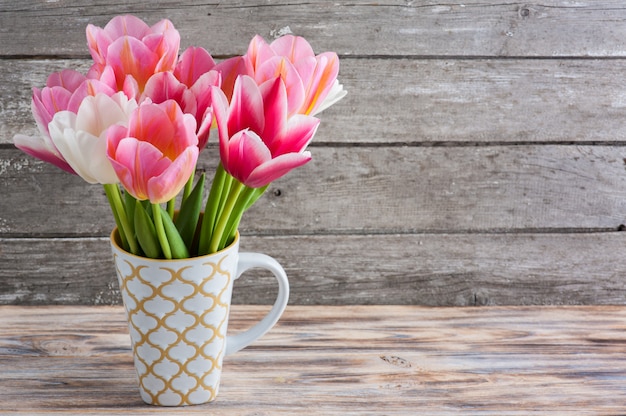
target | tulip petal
x=297, y=136
x=204, y=128
x=335, y=94
x=246, y=106
x=155, y=156
x=293, y=47
x=107, y=77
x=94, y=160
x=81, y=138
x=246, y=152
x=90, y=87
x=98, y=42
x=165, y=186
x=306, y=67
x=130, y=87
x=204, y=113
x=46, y=103
x=279, y=66
x=276, y=168
x=230, y=69
x=135, y=162
x=322, y=81
x=36, y=147
x=69, y=79
x=192, y=64
x=126, y=25
x=220, y=111
x=97, y=113
x=258, y=52
x=84, y=154
x=166, y=49
x=184, y=129
x=151, y=123
x=275, y=110
x=165, y=42
x=202, y=92
x=55, y=98
x=164, y=86
x=130, y=56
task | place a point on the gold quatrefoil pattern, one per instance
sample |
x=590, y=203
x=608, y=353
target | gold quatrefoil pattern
x=177, y=316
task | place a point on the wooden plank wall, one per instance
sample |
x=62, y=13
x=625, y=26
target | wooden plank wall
x=477, y=159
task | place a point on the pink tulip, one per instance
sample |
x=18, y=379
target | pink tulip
x=310, y=80
x=193, y=63
x=230, y=69
x=259, y=143
x=41, y=149
x=64, y=90
x=318, y=72
x=55, y=96
x=133, y=50
x=156, y=154
x=189, y=86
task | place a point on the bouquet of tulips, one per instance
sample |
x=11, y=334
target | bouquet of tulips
x=137, y=121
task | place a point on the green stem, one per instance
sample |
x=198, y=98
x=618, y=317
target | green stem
x=220, y=227
x=160, y=230
x=188, y=188
x=117, y=206
x=118, y=221
x=229, y=184
x=171, y=207
x=211, y=210
x=258, y=192
x=242, y=204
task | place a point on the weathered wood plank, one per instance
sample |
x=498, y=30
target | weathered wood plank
x=366, y=190
x=423, y=101
x=423, y=269
x=391, y=27
x=336, y=360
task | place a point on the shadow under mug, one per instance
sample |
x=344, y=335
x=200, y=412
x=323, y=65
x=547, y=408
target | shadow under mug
x=177, y=314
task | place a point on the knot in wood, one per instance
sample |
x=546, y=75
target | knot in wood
x=524, y=12
x=396, y=361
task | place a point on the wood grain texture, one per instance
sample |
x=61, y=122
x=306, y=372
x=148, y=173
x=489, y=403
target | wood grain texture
x=423, y=269
x=480, y=149
x=336, y=360
x=366, y=189
x=390, y=27
x=423, y=101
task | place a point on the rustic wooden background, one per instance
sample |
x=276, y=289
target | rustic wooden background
x=477, y=159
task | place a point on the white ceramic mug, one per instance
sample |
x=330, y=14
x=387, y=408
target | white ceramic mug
x=178, y=317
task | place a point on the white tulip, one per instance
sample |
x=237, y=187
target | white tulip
x=335, y=94
x=81, y=137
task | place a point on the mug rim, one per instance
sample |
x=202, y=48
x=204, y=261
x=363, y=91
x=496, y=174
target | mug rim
x=115, y=243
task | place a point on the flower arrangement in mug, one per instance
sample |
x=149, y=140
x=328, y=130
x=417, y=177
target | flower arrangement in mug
x=142, y=114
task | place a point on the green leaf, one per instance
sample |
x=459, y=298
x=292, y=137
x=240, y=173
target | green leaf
x=129, y=205
x=146, y=232
x=225, y=216
x=177, y=245
x=160, y=230
x=187, y=219
x=121, y=219
x=211, y=211
x=244, y=201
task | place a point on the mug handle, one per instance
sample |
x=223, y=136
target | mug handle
x=248, y=261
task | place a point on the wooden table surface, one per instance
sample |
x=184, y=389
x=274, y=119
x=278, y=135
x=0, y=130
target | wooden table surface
x=329, y=360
